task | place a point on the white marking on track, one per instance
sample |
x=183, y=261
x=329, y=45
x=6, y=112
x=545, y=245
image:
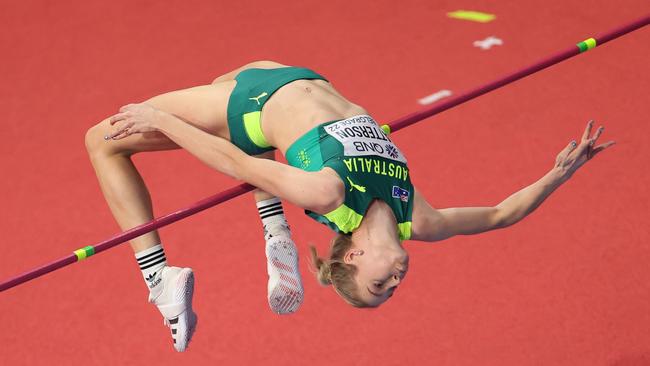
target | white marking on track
x=487, y=43
x=435, y=97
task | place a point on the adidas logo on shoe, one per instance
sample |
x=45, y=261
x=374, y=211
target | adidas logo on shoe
x=150, y=278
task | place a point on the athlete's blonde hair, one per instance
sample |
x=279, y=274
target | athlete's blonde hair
x=334, y=271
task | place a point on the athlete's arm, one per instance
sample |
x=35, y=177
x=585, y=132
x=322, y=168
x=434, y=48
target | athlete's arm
x=320, y=192
x=430, y=224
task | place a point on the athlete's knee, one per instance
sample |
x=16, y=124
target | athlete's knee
x=96, y=144
x=91, y=139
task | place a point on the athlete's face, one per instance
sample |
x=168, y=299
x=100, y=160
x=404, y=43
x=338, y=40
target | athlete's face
x=380, y=270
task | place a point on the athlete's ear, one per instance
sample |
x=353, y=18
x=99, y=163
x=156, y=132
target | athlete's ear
x=351, y=255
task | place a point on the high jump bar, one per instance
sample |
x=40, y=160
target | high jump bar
x=85, y=252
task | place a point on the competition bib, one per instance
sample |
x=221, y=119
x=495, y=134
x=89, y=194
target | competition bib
x=362, y=136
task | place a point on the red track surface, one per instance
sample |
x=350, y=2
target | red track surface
x=567, y=286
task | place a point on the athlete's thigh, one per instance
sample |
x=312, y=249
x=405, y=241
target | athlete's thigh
x=204, y=107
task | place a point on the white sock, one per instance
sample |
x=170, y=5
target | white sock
x=151, y=262
x=273, y=219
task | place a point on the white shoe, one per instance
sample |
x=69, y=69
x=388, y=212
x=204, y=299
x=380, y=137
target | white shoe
x=285, y=291
x=175, y=304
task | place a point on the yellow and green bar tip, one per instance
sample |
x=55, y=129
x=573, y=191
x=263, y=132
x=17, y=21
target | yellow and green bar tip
x=84, y=252
x=587, y=44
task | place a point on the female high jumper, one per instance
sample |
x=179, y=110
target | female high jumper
x=342, y=169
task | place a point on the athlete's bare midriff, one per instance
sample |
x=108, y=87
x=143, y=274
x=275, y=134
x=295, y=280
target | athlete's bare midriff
x=300, y=106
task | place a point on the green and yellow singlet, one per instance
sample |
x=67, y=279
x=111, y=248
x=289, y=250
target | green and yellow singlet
x=368, y=163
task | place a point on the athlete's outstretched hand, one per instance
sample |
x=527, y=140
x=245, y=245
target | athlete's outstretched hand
x=133, y=118
x=576, y=155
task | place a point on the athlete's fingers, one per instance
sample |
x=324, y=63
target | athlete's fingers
x=125, y=108
x=601, y=147
x=120, y=123
x=113, y=135
x=123, y=134
x=599, y=131
x=118, y=117
x=585, y=135
x=125, y=129
x=567, y=150
x=126, y=132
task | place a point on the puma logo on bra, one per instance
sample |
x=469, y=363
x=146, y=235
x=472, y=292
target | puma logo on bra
x=257, y=98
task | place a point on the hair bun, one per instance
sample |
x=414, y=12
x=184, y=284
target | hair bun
x=334, y=271
x=323, y=268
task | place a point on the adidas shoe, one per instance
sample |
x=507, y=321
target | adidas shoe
x=175, y=304
x=285, y=291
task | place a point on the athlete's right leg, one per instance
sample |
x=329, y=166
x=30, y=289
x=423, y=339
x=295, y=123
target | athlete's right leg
x=171, y=288
x=122, y=185
x=204, y=107
x=120, y=181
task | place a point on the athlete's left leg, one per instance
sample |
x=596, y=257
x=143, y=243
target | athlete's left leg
x=285, y=291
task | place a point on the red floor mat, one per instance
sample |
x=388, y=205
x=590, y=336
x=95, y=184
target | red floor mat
x=567, y=286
